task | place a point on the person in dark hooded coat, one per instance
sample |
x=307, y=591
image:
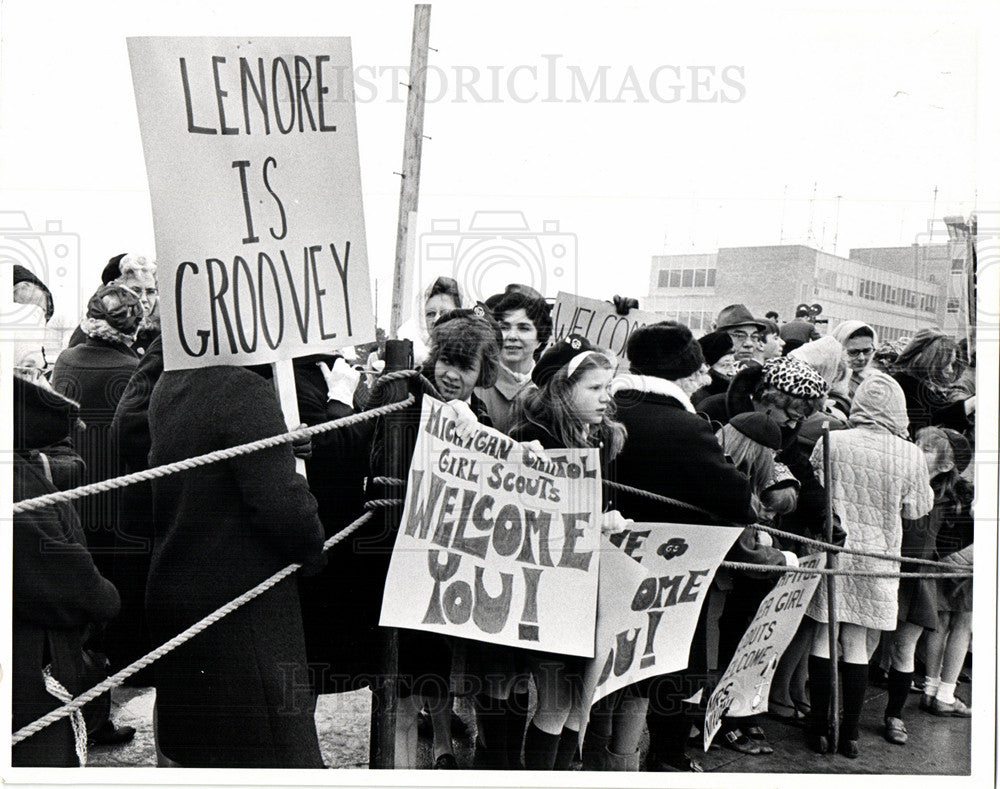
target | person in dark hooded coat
x=57, y=592
x=237, y=694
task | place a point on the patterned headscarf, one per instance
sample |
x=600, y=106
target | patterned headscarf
x=794, y=377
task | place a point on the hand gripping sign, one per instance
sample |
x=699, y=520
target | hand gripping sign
x=251, y=151
x=744, y=688
x=496, y=544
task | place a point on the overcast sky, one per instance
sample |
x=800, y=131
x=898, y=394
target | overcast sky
x=713, y=126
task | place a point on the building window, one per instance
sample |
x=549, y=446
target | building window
x=957, y=265
x=663, y=279
x=675, y=278
x=687, y=278
x=710, y=278
x=953, y=305
x=699, y=278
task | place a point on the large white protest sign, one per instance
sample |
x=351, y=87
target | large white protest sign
x=251, y=150
x=744, y=688
x=597, y=321
x=495, y=545
x=653, y=585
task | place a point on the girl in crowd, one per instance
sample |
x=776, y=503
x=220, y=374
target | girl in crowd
x=926, y=372
x=526, y=327
x=464, y=353
x=877, y=476
x=948, y=454
x=751, y=440
x=570, y=408
x=441, y=296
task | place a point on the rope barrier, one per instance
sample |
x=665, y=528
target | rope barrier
x=117, y=679
x=203, y=460
x=781, y=568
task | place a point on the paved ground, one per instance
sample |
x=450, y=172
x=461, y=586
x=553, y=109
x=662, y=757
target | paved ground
x=937, y=746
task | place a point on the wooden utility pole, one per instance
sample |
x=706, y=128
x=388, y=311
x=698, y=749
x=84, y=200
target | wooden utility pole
x=409, y=190
x=382, y=742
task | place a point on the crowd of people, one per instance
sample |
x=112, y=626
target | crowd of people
x=729, y=422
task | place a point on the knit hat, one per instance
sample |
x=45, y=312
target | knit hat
x=758, y=427
x=736, y=315
x=118, y=306
x=960, y=448
x=794, y=377
x=664, y=350
x=113, y=271
x=715, y=345
x=557, y=356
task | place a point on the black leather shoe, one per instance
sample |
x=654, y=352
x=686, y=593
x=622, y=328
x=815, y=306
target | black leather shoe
x=677, y=763
x=446, y=761
x=819, y=743
x=109, y=734
x=849, y=748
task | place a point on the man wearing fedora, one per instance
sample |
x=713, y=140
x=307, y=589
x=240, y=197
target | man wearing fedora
x=744, y=329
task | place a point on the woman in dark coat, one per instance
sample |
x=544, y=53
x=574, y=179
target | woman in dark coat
x=673, y=451
x=95, y=374
x=237, y=694
x=57, y=591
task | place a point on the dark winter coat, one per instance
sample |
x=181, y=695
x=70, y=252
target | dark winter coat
x=675, y=453
x=57, y=591
x=95, y=374
x=926, y=406
x=237, y=695
x=127, y=638
x=336, y=473
x=719, y=385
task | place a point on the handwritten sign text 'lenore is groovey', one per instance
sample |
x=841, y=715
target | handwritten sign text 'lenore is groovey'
x=251, y=151
x=496, y=544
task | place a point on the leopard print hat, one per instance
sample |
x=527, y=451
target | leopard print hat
x=795, y=377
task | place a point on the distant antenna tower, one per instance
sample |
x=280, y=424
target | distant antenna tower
x=836, y=226
x=811, y=238
x=933, y=214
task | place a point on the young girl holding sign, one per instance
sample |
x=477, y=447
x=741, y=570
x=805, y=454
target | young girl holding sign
x=570, y=408
x=464, y=353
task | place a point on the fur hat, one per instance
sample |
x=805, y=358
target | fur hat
x=559, y=355
x=795, y=377
x=664, y=350
x=715, y=345
x=758, y=427
x=736, y=315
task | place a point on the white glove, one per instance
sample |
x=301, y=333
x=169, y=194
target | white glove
x=790, y=558
x=374, y=363
x=613, y=522
x=341, y=381
x=764, y=539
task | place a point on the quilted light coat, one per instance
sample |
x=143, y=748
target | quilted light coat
x=878, y=478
